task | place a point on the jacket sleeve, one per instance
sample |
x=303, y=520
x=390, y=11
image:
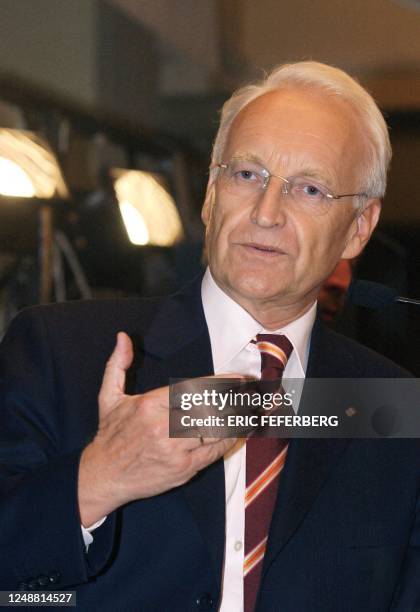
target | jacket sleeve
x=40, y=537
x=407, y=595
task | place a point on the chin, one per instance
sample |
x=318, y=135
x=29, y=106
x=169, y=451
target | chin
x=252, y=286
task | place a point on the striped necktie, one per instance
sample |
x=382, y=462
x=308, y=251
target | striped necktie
x=265, y=458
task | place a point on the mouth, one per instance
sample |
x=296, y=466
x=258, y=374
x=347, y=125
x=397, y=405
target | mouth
x=262, y=249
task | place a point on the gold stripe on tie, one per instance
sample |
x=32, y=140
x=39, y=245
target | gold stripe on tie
x=265, y=477
x=272, y=349
x=255, y=556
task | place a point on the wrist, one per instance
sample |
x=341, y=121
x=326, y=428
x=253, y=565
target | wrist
x=95, y=496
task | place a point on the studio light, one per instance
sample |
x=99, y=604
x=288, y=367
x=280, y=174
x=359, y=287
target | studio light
x=14, y=181
x=28, y=167
x=148, y=210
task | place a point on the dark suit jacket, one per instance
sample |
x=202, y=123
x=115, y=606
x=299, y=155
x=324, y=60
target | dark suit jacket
x=345, y=533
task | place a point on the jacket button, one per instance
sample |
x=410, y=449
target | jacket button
x=204, y=602
x=43, y=580
x=54, y=577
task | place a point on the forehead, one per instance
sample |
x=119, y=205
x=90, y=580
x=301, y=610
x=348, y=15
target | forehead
x=297, y=127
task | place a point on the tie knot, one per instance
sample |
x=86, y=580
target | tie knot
x=275, y=351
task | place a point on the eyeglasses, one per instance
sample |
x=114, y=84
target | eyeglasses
x=248, y=179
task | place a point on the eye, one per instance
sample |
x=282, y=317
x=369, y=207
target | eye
x=308, y=190
x=246, y=175
x=312, y=190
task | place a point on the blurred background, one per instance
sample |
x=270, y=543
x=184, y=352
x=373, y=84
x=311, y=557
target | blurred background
x=108, y=109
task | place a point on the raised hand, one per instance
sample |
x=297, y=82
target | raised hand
x=132, y=456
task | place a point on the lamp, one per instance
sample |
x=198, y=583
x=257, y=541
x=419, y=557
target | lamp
x=29, y=169
x=148, y=210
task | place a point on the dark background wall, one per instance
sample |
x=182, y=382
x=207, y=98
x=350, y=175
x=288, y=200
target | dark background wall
x=138, y=83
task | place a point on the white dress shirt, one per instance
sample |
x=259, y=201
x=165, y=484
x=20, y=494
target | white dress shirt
x=231, y=330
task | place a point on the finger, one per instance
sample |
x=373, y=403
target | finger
x=113, y=382
x=211, y=440
x=195, y=442
x=204, y=454
x=232, y=375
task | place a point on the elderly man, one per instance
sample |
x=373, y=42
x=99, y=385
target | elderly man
x=95, y=495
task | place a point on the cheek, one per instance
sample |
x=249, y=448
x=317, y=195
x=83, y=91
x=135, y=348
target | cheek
x=320, y=243
x=339, y=228
x=225, y=224
x=217, y=240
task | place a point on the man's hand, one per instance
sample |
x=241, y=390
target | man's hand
x=132, y=456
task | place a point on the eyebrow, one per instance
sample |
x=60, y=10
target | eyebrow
x=305, y=171
x=250, y=157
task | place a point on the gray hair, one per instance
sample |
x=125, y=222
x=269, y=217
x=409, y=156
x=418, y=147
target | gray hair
x=332, y=81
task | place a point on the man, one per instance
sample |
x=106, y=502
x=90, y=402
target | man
x=298, y=170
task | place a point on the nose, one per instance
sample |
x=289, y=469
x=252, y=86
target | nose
x=270, y=207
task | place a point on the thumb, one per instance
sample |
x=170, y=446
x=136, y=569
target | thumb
x=113, y=382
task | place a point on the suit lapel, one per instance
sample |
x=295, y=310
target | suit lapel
x=308, y=465
x=177, y=345
x=309, y=461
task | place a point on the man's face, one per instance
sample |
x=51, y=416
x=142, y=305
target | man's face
x=267, y=253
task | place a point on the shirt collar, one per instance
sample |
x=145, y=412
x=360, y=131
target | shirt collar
x=231, y=327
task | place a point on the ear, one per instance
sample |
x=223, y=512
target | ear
x=362, y=228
